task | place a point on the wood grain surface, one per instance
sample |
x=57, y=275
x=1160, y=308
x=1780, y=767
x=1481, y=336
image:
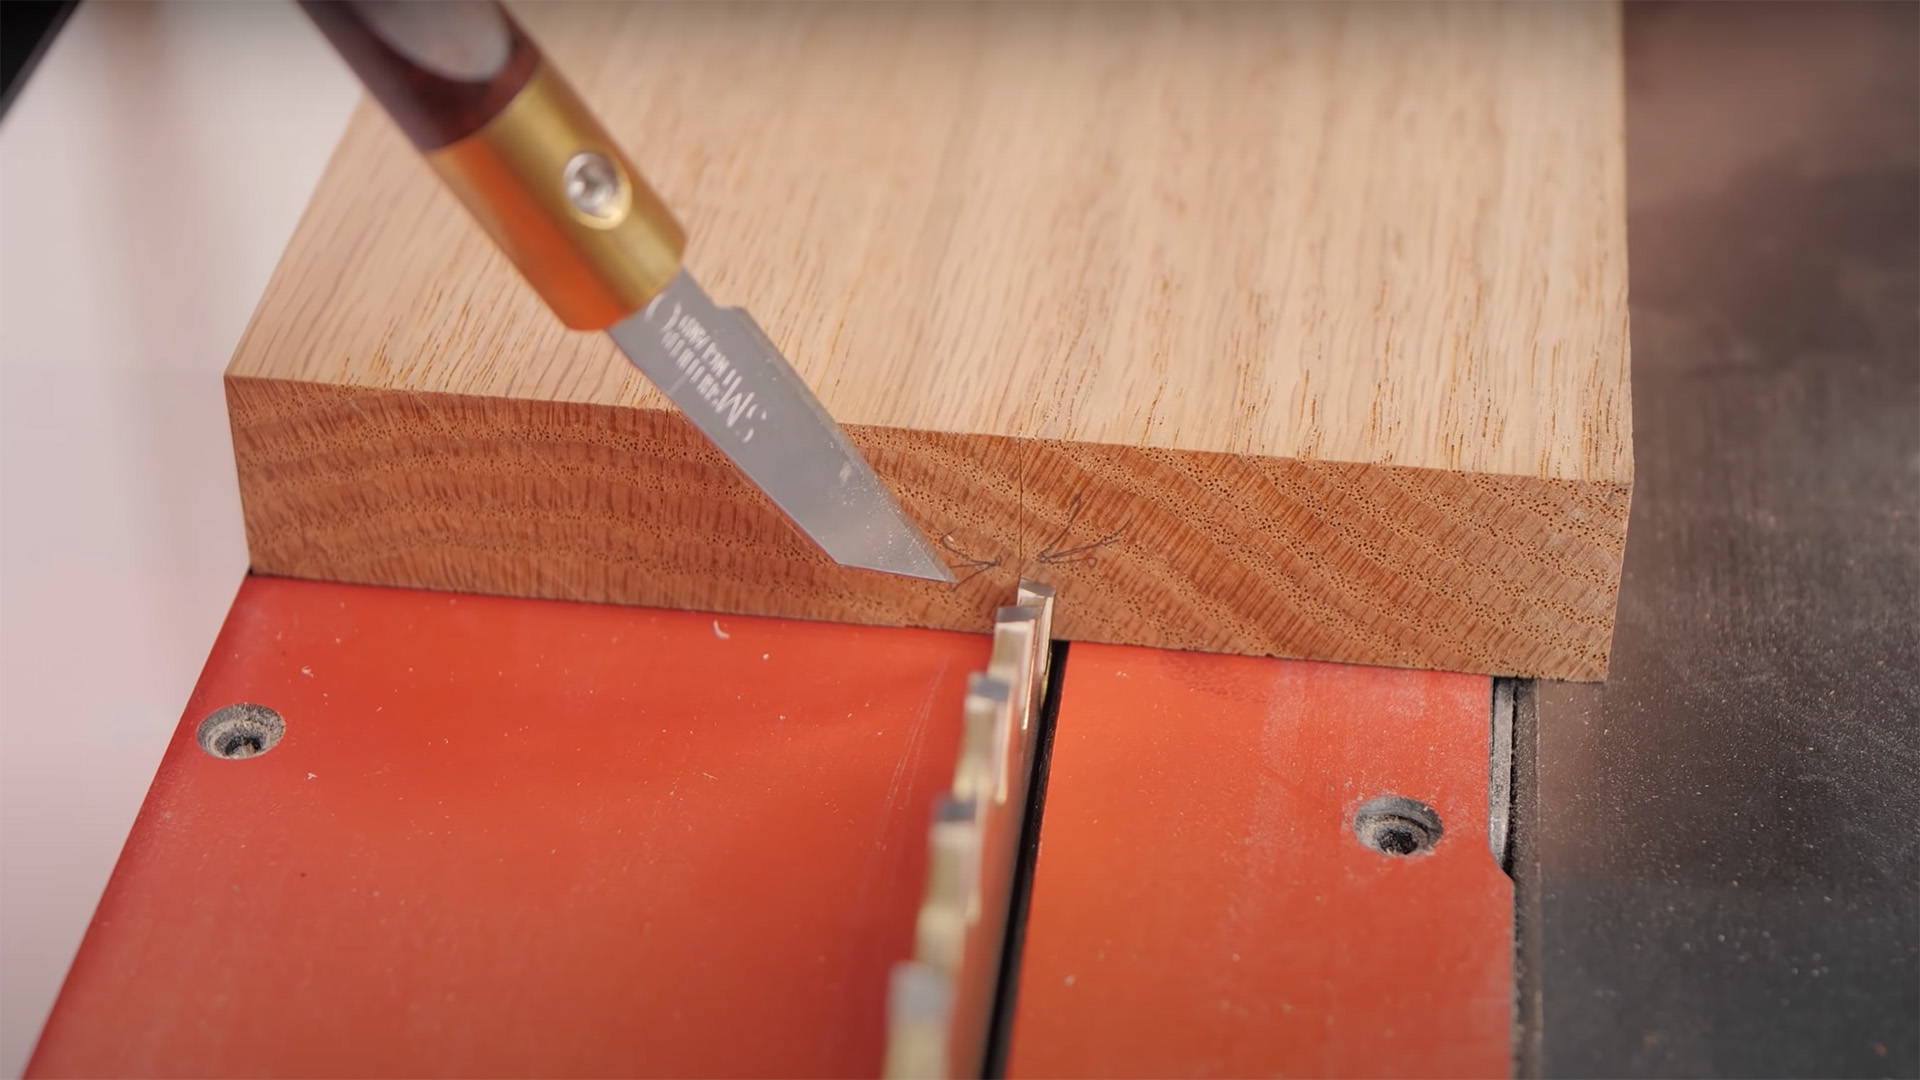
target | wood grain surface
x=1270, y=329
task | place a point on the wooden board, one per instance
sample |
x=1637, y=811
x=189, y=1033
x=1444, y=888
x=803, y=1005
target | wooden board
x=1288, y=330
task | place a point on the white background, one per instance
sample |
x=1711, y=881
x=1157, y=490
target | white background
x=150, y=174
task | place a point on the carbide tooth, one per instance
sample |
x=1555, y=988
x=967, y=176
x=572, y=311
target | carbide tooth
x=1040, y=597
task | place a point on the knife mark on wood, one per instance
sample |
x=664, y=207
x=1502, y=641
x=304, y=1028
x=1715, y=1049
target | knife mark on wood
x=1051, y=554
x=974, y=566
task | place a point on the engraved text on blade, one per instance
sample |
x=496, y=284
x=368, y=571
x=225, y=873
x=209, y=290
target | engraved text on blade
x=703, y=365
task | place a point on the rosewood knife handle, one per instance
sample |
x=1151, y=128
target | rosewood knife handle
x=441, y=70
x=516, y=144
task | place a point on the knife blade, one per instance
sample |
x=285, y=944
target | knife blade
x=718, y=366
x=513, y=140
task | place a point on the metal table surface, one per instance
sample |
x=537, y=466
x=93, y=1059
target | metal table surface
x=1723, y=871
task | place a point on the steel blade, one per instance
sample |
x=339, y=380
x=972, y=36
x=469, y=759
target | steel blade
x=719, y=367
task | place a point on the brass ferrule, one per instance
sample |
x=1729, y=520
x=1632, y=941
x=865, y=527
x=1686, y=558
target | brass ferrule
x=594, y=255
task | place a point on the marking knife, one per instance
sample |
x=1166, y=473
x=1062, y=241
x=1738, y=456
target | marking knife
x=517, y=145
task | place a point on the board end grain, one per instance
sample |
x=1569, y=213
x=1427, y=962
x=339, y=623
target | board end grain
x=1215, y=552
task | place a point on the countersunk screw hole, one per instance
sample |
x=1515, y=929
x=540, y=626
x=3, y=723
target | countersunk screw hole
x=1396, y=825
x=241, y=730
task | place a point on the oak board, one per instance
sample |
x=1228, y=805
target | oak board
x=1288, y=330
